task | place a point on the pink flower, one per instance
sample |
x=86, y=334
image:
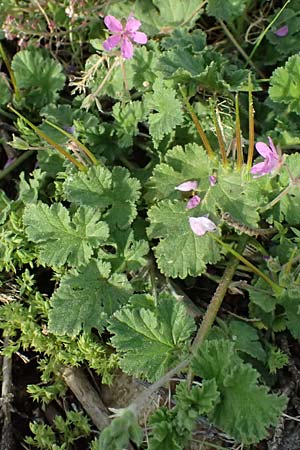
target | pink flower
x=282, y=31
x=201, y=225
x=193, y=202
x=123, y=35
x=187, y=186
x=272, y=159
x=212, y=180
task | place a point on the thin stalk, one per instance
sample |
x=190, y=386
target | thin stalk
x=16, y=163
x=85, y=150
x=259, y=40
x=197, y=124
x=251, y=124
x=50, y=141
x=276, y=288
x=277, y=198
x=215, y=303
x=11, y=74
x=239, y=48
x=219, y=135
x=240, y=156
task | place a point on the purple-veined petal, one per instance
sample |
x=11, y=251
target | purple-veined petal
x=212, y=180
x=201, y=225
x=111, y=42
x=132, y=24
x=263, y=149
x=126, y=48
x=282, y=31
x=139, y=37
x=260, y=169
x=187, y=186
x=113, y=24
x=193, y=202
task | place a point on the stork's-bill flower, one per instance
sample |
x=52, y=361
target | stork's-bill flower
x=123, y=35
x=272, y=160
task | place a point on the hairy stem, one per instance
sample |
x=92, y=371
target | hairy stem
x=240, y=158
x=216, y=302
x=251, y=124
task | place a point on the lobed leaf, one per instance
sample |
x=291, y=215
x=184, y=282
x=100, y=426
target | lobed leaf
x=246, y=409
x=115, y=193
x=62, y=239
x=86, y=298
x=179, y=252
x=150, y=341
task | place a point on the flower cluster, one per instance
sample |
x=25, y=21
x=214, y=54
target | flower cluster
x=272, y=161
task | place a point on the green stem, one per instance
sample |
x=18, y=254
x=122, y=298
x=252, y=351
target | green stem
x=215, y=303
x=50, y=141
x=197, y=124
x=85, y=150
x=16, y=163
x=240, y=158
x=219, y=134
x=259, y=40
x=251, y=123
x=239, y=48
x=276, y=288
x=277, y=199
x=11, y=74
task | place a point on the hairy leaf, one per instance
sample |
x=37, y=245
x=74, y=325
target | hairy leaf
x=87, y=298
x=180, y=252
x=151, y=341
x=115, y=193
x=246, y=409
x=285, y=84
x=226, y=9
x=122, y=429
x=62, y=239
x=164, y=111
x=180, y=164
x=126, y=122
x=38, y=76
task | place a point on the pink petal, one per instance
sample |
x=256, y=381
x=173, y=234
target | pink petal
x=126, y=48
x=111, y=42
x=139, y=37
x=187, y=186
x=282, y=31
x=201, y=225
x=273, y=148
x=132, y=24
x=259, y=169
x=263, y=149
x=113, y=24
x=193, y=202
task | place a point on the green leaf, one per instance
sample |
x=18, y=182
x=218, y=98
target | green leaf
x=62, y=239
x=226, y=9
x=285, y=84
x=152, y=341
x=181, y=164
x=180, y=252
x=5, y=206
x=245, y=410
x=86, y=298
x=164, y=435
x=122, y=429
x=195, y=401
x=164, y=111
x=126, y=122
x=38, y=76
x=289, y=204
x=115, y=193
x=129, y=254
x=181, y=38
x=5, y=90
x=29, y=191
